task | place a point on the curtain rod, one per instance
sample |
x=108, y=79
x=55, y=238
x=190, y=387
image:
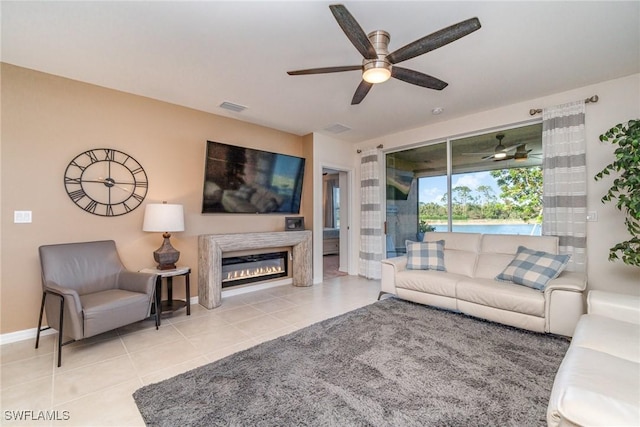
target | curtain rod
x=593, y=98
x=378, y=147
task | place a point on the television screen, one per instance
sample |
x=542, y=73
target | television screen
x=245, y=180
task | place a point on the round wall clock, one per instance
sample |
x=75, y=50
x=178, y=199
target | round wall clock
x=106, y=182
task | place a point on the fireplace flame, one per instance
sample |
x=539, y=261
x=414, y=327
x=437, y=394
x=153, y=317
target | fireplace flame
x=253, y=272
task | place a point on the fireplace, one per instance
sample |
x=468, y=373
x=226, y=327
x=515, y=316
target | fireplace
x=212, y=248
x=243, y=269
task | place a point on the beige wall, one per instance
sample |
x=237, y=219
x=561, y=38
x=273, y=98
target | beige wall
x=48, y=120
x=618, y=103
x=337, y=155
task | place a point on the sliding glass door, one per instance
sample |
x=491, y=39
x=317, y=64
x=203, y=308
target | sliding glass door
x=413, y=177
x=487, y=183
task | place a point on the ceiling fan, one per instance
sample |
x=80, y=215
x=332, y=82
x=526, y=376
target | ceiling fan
x=501, y=153
x=522, y=153
x=378, y=64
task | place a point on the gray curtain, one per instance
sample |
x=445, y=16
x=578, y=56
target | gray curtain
x=565, y=180
x=370, y=216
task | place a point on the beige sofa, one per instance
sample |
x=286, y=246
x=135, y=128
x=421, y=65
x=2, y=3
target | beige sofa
x=468, y=285
x=598, y=382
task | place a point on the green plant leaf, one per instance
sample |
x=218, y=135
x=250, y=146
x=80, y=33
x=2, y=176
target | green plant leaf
x=625, y=186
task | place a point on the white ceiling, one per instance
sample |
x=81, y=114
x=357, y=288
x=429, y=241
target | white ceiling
x=200, y=54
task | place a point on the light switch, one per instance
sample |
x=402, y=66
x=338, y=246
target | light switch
x=592, y=216
x=21, y=217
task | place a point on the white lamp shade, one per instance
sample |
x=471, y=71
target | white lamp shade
x=163, y=218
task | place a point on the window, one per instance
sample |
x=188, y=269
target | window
x=488, y=183
x=331, y=200
x=336, y=207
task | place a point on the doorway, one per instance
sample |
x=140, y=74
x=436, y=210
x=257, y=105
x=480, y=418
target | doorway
x=335, y=223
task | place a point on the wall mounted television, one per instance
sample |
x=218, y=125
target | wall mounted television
x=246, y=180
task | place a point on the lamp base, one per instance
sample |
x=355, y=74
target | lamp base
x=166, y=256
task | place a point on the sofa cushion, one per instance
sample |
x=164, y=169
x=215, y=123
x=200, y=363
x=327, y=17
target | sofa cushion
x=509, y=243
x=598, y=381
x=615, y=337
x=589, y=408
x=621, y=307
x=430, y=281
x=460, y=250
x=425, y=255
x=490, y=265
x=597, y=372
x=533, y=268
x=501, y=295
x=458, y=241
x=497, y=251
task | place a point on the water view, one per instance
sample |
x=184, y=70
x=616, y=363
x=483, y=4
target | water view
x=526, y=229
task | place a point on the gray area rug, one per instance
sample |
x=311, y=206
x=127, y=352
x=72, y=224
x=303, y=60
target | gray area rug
x=392, y=363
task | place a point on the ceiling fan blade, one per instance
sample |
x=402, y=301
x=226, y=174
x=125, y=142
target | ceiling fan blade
x=353, y=31
x=325, y=70
x=434, y=40
x=362, y=91
x=417, y=78
x=486, y=153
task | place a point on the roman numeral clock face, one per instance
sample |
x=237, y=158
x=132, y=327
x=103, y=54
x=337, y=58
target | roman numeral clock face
x=106, y=182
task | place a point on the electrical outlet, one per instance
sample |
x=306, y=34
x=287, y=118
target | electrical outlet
x=592, y=216
x=21, y=217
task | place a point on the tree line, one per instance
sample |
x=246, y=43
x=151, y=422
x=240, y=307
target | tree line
x=520, y=198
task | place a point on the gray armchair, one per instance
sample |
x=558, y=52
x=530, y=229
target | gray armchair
x=86, y=290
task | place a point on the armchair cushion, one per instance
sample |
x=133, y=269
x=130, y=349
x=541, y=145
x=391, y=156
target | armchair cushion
x=111, y=309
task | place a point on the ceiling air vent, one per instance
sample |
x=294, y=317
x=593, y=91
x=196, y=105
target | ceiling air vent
x=337, y=128
x=233, y=107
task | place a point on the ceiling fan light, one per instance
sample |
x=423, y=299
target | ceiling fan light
x=376, y=75
x=376, y=70
x=500, y=155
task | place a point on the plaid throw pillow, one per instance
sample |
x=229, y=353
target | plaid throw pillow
x=425, y=255
x=533, y=268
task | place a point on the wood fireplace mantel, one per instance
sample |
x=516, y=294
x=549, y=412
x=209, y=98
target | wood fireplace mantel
x=212, y=246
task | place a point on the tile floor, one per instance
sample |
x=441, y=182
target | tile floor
x=98, y=375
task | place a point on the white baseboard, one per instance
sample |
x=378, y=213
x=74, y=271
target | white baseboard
x=24, y=335
x=28, y=334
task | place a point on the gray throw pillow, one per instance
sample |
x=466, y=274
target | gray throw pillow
x=533, y=268
x=425, y=255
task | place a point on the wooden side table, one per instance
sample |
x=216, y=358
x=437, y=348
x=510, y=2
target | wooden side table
x=170, y=305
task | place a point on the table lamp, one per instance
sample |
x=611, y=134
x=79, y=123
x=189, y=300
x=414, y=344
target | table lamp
x=165, y=218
